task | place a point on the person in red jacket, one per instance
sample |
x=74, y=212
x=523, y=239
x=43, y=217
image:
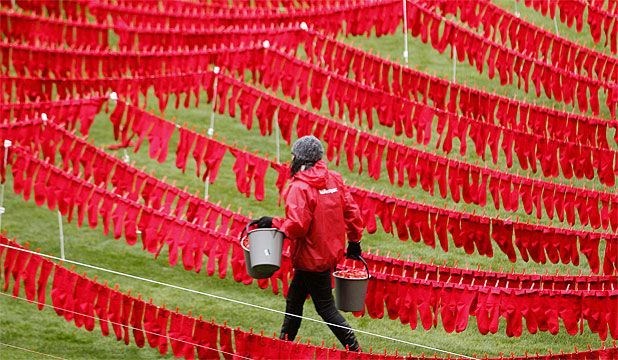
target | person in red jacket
x=319, y=213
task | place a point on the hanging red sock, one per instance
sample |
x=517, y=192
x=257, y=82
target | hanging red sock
x=502, y=233
x=101, y=307
x=225, y=342
x=589, y=246
x=29, y=276
x=137, y=314
x=375, y=299
x=57, y=290
x=241, y=172
x=399, y=219
x=391, y=299
x=84, y=302
x=163, y=316
x=185, y=144
x=241, y=340
x=448, y=306
x=18, y=270
x=151, y=324
x=258, y=178
x=186, y=335
x=285, y=118
x=222, y=254
x=115, y=313
x=349, y=146
x=205, y=336
x=511, y=311
x=487, y=311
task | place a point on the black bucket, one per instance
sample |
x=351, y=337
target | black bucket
x=350, y=293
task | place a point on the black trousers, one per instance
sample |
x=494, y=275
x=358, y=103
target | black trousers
x=318, y=285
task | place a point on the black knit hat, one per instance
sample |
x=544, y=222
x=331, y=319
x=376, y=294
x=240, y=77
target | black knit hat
x=308, y=149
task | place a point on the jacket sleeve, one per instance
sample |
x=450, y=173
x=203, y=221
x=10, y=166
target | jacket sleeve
x=298, y=214
x=352, y=216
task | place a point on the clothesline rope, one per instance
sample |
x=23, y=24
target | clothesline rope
x=124, y=325
x=235, y=301
x=30, y=351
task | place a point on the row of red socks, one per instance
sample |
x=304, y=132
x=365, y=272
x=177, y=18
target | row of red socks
x=409, y=83
x=412, y=299
x=360, y=19
x=407, y=116
x=560, y=84
x=501, y=25
x=43, y=61
x=145, y=38
x=470, y=232
x=250, y=169
x=446, y=274
x=572, y=12
x=53, y=31
x=74, y=9
x=68, y=112
x=36, y=89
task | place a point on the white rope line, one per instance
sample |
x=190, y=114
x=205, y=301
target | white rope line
x=122, y=325
x=31, y=351
x=240, y=302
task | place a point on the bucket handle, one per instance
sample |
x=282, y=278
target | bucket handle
x=360, y=258
x=245, y=230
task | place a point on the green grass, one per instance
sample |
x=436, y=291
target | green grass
x=22, y=325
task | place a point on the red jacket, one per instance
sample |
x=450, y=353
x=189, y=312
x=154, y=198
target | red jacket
x=319, y=212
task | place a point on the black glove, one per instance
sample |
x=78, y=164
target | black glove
x=354, y=251
x=264, y=222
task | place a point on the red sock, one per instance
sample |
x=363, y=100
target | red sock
x=115, y=313
x=137, y=314
x=225, y=342
x=241, y=343
x=448, y=306
x=163, y=316
x=205, y=334
x=18, y=270
x=186, y=334
x=511, y=311
x=30, y=276
x=391, y=299
x=185, y=144
x=83, y=301
x=151, y=324
x=57, y=295
x=101, y=306
x=370, y=303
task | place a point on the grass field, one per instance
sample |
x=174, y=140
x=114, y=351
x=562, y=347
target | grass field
x=22, y=325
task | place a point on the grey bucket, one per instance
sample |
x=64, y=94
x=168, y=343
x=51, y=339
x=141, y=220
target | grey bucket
x=350, y=293
x=250, y=271
x=265, y=246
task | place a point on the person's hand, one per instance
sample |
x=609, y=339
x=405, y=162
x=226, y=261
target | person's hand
x=264, y=222
x=354, y=251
